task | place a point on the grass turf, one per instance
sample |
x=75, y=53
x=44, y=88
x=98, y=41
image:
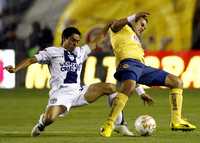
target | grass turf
x=20, y=109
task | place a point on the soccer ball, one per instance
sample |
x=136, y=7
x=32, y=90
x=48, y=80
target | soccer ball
x=145, y=125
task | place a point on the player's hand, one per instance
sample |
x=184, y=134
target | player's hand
x=141, y=14
x=147, y=99
x=10, y=69
x=94, y=37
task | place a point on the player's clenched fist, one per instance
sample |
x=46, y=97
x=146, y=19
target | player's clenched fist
x=10, y=69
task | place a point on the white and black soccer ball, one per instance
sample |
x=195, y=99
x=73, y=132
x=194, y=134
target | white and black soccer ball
x=145, y=125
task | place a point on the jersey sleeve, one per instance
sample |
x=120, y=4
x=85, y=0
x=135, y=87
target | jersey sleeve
x=86, y=50
x=44, y=56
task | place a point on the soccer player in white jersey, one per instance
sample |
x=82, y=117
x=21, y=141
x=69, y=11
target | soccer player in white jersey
x=65, y=65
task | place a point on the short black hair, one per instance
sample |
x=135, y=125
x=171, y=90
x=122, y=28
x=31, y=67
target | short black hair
x=144, y=17
x=69, y=31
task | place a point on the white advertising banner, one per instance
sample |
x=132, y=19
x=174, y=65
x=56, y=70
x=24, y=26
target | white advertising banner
x=7, y=57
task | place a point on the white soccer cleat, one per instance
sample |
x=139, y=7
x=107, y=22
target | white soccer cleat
x=38, y=128
x=35, y=131
x=123, y=130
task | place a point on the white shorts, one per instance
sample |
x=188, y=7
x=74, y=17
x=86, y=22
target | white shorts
x=68, y=96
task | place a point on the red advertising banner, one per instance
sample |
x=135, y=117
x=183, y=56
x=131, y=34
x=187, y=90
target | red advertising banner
x=186, y=56
x=185, y=64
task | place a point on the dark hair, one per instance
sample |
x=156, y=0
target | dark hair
x=69, y=31
x=144, y=17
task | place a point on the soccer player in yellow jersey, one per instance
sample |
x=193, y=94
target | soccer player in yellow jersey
x=125, y=39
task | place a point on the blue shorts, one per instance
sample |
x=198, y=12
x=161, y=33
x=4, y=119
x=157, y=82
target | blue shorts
x=130, y=69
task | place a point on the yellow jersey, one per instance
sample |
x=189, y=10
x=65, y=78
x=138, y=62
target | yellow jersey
x=126, y=44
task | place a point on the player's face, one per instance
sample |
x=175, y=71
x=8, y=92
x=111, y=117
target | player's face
x=140, y=26
x=71, y=42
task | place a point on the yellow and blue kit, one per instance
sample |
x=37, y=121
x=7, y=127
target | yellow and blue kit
x=130, y=59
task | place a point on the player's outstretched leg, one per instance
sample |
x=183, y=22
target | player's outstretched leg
x=47, y=118
x=121, y=125
x=176, y=99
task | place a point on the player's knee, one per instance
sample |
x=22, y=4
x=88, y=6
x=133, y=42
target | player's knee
x=178, y=83
x=128, y=90
x=175, y=82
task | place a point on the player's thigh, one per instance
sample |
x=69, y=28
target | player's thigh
x=96, y=90
x=153, y=77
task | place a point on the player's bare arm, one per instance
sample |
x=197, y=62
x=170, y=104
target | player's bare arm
x=117, y=25
x=96, y=39
x=25, y=63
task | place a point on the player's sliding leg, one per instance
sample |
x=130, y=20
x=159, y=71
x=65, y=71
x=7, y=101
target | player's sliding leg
x=126, y=89
x=97, y=90
x=47, y=118
x=93, y=92
x=176, y=99
x=121, y=126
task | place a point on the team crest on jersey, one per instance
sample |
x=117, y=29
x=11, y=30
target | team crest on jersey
x=53, y=100
x=123, y=66
x=71, y=57
x=136, y=39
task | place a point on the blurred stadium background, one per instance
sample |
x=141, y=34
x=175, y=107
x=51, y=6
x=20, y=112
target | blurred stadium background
x=171, y=42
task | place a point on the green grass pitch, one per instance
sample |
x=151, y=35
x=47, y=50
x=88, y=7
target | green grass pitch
x=20, y=109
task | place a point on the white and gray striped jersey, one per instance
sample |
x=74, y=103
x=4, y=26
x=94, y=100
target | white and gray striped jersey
x=64, y=66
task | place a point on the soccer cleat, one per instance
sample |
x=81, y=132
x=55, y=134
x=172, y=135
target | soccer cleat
x=35, y=131
x=38, y=128
x=182, y=126
x=123, y=130
x=106, y=129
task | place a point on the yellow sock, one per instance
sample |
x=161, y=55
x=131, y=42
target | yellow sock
x=117, y=106
x=176, y=100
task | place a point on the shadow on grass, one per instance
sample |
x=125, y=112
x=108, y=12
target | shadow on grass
x=59, y=134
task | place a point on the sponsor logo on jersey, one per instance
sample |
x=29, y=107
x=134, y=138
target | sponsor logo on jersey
x=136, y=39
x=55, y=57
x=70, y=66
x=71, y=57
